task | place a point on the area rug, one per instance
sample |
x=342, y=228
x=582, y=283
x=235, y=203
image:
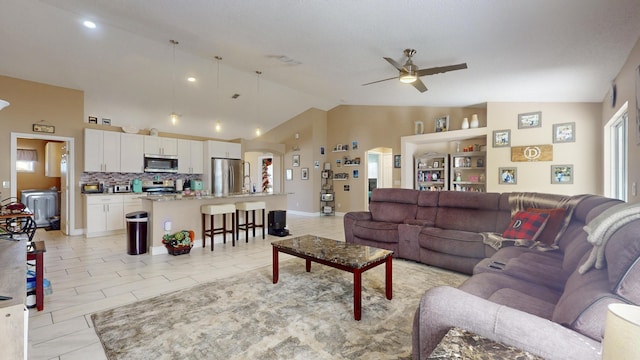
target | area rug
x=304, y=316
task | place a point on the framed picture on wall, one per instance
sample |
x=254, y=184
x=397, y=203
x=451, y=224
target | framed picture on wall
x=501, y=138
x=563, y=133
x=508, y=175
x=288, y=174
x=530, y=120
x=304, y=174
x=396, y=161
x=442, y=124
x=562, y=174
x=296, y=160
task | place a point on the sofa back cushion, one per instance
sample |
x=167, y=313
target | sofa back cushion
x=393, y=205
x=428, y=206
x=468, y=211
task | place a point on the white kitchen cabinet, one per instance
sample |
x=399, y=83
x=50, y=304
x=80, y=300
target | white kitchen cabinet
x=190, y=156
x=160, y=145
x=223, y=149
x=132, y=202
x=131, y=153
x=104, y=214
x=101, y=151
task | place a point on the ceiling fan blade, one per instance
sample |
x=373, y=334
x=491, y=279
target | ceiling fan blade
x=441, y=69
x=373, y=82
x=418, y=84
x=395, y=64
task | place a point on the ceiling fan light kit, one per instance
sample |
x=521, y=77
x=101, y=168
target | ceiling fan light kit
x=410, y=73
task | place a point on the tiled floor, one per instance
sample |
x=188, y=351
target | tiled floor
x=89, y=275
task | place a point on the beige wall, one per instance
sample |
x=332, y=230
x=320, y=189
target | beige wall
x=311, y=128
x=32, y=102
x=627, y=93
x=585, y=154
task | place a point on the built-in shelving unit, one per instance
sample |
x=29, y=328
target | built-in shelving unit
x=468, y=172
x=432, y=172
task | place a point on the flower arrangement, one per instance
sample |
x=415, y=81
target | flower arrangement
x=178, y=243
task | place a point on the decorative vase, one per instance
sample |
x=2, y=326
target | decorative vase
x=465, y=123
x=474, y=121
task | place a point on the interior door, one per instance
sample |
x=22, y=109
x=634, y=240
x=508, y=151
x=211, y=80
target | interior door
x=64, y=190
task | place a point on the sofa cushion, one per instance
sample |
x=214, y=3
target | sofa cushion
x=454, y=242
x=523, y=301
x=526, y=225
x=376, y=231
x=393, y=205
x=555, y=221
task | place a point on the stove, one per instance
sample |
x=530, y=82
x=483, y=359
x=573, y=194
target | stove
x=159, y=187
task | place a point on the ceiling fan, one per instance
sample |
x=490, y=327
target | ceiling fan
x=410, y=74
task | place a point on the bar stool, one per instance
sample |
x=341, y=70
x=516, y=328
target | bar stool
x=246, y=207
x=218, y=209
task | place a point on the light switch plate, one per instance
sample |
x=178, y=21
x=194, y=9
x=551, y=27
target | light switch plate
x=6, y=184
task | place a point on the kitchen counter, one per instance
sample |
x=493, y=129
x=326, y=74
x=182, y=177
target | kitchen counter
x=184, y=214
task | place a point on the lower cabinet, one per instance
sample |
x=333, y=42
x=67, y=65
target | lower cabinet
x=104, y=214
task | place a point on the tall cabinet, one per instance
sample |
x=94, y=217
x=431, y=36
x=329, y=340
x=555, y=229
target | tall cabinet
x=468, y=172
x=432, y=172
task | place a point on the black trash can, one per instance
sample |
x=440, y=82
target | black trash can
x=137, y=232
x=278, y=223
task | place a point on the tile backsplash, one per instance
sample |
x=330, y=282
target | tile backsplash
x=110, y=179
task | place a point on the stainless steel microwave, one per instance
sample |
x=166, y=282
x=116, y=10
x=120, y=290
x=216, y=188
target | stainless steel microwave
x=160, y=163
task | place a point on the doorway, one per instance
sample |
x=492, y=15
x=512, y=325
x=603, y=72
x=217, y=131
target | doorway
x=67, y=198
x=378, y=170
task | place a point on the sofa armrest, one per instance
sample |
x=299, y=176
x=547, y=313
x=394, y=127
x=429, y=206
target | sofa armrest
x=444, y=307
x=350, y=219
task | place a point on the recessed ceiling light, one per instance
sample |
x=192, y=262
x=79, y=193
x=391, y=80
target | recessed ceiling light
x=89, y=24
x=191, y=79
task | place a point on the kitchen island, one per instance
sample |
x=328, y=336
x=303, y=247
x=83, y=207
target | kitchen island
x=184, y=213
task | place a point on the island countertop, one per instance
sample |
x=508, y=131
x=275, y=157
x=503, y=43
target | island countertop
x=179, y=197
x=184, y=213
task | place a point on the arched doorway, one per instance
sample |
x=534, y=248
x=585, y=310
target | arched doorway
x=378, y=170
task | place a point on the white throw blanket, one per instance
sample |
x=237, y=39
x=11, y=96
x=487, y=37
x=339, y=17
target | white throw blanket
x=600, y=229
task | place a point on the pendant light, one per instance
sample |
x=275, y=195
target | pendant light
x=258, y=73
x=174, y=116
x=218, y=126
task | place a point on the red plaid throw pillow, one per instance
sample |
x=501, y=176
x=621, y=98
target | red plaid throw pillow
x=526, y=225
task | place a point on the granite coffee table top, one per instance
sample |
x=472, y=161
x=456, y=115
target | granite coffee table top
x=338, y=252
x=461, y=344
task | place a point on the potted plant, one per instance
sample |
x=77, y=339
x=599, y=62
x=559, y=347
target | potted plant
x=179, y=243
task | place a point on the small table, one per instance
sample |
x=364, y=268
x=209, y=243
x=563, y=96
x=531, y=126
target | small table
x=353, y=258
x=15, y=224
x=461, y=344
x=35, y=251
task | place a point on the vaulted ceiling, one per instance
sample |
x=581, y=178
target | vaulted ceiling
x=311, y=54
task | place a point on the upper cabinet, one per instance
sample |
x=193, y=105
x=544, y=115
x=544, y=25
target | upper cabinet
x=160, y=145
x=190, y=156
x=131, y=153
x=223, y=149
x=101, y=151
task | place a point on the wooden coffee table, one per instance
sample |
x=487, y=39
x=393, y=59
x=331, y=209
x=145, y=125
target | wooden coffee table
x=353, y=258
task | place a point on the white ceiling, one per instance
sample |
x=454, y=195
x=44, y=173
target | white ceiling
x=524, y=50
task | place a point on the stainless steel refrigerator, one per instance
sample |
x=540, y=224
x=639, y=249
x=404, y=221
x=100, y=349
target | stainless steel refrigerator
x=226, y=176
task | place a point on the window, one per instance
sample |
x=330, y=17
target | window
x=26, y=160
x=618, y=157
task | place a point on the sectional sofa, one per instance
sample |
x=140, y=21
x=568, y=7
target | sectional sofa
x=544, y=295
